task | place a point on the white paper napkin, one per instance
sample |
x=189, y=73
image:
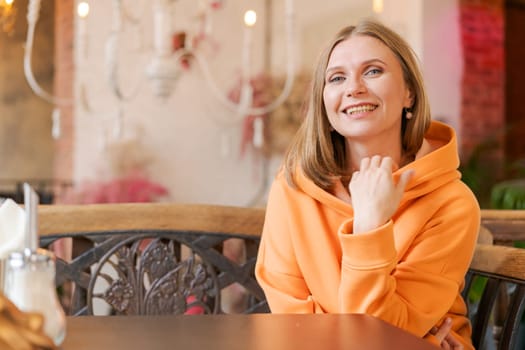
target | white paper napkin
x=12, y=228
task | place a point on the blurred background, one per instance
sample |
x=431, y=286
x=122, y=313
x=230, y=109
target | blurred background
x=164, y=100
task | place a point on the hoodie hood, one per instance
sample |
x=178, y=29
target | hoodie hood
x=436, y=163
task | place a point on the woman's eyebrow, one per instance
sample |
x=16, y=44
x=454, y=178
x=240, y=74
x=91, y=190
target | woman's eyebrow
x=334, y=68
x=364, y=63
x=374, y=60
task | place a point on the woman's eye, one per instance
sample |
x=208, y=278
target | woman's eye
x=373, y=71
x=335, y=78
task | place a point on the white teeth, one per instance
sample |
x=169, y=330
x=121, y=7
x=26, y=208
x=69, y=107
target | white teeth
x=360, y=109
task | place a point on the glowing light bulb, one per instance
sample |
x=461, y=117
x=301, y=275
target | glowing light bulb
x=83, y=12
x=83, y=9
x=250, y=17
x=9, y=2
x=377, y=6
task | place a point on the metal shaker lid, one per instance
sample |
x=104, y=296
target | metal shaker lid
x=39, y=257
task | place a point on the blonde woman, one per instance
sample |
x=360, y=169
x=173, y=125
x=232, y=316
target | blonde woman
x=368, y=214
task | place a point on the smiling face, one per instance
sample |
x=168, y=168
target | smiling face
x=364, y=92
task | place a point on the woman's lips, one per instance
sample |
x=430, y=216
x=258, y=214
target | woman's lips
x=357, y=109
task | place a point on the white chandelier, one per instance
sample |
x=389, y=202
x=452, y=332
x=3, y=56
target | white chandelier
x=165, y=64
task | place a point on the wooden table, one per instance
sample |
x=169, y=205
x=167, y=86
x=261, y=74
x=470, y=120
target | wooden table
x=231, y=332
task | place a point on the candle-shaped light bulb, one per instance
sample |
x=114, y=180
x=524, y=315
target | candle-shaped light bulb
x=258, y=132
x=377, y=6
x=82, y=12
x=56, y=127
x=289, y=7
x=250, y=17
x=83, y=9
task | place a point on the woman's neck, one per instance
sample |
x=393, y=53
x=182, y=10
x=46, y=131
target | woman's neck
x=358, y=151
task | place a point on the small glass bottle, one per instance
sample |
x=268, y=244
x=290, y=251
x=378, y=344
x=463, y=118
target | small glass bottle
x=30, y=284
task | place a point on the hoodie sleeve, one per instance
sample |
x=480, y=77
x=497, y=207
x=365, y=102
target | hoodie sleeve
x=422, y=286
x=417, y=291
x=276, y=269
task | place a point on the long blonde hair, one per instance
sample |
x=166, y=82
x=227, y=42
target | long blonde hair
x=321, y=154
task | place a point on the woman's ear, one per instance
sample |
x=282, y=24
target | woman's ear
x=409, y=99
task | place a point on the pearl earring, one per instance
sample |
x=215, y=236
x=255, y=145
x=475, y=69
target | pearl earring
x=408, y=113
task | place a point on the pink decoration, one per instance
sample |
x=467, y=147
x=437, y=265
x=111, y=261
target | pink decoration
x=216, y=4
x=132, y=188
x=193, y=310
x=262, y=95
x=178, y=42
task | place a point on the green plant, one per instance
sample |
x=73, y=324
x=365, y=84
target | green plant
x=479, y=171
x=496, y=182
x=508, y=194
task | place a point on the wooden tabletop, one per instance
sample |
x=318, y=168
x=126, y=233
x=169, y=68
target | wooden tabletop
x=232, y=332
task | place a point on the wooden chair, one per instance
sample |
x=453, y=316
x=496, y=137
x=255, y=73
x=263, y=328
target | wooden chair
x=154, y=258
x=495, y=292
x=485, y=236
x=507, y=226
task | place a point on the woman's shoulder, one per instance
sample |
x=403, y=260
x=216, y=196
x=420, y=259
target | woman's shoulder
x=457, y=197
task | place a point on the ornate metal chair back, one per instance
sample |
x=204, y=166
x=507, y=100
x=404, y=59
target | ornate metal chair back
x=152, y=258
x=495, y=294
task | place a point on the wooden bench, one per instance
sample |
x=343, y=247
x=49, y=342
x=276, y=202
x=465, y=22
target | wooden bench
x=506, y=226
x=154, y=258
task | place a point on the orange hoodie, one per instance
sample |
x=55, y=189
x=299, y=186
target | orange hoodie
x=408, y=272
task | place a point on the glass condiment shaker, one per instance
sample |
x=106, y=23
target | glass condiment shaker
x=30, y=284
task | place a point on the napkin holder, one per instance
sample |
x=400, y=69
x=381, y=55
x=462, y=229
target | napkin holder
x=12, y=232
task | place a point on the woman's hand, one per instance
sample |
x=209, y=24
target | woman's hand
x=445, y=338
x=375, y=196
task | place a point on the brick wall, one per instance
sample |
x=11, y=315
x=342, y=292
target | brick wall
x=483, y=104
x=63, y=86
x=483, y=95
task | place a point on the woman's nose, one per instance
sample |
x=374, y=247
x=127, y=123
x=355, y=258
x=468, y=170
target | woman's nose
x=355, y=86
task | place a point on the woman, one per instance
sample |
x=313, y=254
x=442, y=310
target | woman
x=368, y=214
